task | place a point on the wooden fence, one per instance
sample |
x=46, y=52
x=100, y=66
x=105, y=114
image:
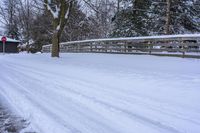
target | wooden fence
x=177, y=45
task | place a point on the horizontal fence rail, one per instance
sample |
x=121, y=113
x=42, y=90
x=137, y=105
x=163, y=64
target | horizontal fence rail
x=166, y=44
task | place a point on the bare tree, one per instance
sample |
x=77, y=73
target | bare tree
x=8, y=17
x=25, y=18
x=60, y=11
x=104, y=11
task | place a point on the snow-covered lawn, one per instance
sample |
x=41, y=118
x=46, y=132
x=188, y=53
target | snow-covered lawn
x=102, y=93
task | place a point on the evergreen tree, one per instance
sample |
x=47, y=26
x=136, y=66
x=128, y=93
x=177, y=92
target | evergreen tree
x=150, y=17
x=79, y=26
x=41, y=30
x=132, y=20
x=184, y=16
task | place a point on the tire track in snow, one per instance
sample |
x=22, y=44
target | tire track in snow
x=91, y=84
x=82, y=83
x=37, y=103
x=128, y=113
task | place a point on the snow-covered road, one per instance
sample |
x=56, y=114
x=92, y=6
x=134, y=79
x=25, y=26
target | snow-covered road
x=100, y=93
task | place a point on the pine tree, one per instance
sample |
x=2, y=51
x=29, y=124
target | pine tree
x=78, y=27
x=158, y=17
x=183, y=16
x=41, y=30
x=132, y=20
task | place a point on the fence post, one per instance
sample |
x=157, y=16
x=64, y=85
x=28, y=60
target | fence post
x=183, y=49
x=91, y=47
x=78, y=47
x=106, y=47
x=150, y=47
x=96, y=50
x=125, y=46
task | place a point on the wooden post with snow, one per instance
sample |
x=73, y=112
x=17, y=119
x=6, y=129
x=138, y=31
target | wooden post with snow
x=183, y=49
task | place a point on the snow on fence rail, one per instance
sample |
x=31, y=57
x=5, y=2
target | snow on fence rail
x=179, y=44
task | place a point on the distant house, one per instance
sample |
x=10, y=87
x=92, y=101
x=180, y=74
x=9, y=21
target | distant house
x=11, y=45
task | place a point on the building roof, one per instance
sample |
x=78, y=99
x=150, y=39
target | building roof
x=10, y=40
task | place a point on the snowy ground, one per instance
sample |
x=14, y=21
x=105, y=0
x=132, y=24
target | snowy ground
x=102, y=93
x=9, y=122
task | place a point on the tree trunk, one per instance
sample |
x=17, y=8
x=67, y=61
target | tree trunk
x=118, y=6
x=168, y=17
x=60, y=11
x=55, y=44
